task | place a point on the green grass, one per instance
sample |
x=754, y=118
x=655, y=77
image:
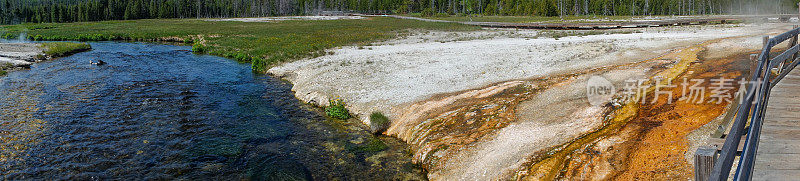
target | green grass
x=263, y=43
x=4, y=68
x=61, y=49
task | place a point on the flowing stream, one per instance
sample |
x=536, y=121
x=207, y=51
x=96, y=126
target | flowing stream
x=160, y=112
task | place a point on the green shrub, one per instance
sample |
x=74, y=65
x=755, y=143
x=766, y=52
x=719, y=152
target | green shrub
x=378, y=122
x=427, y=12
x=3, y=73
x=8, y=36
x=261, y=65
x=337, y=110
x=198, y=48
x=441, y=15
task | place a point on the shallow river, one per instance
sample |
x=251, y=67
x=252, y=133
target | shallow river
x=161, y=112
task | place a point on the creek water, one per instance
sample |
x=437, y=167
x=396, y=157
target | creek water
x=160, y=112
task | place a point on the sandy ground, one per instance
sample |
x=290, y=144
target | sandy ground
x=286, y=18
x=399, y=75
x=19, y=54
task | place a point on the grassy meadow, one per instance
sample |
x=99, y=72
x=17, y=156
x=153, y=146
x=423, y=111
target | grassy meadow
x=263, y=43
x=60, y=49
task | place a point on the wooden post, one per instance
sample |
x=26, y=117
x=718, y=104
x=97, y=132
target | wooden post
x=764, y=42
x=793, y=43
x=704, y=160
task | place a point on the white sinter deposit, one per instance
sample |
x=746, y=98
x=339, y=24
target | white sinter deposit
x=399, y=72
x=19, y=54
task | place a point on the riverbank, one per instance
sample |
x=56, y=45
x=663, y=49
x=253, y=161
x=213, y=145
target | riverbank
x=17, y=56
x=353, y=148
x=263, y=44
x=161, y=112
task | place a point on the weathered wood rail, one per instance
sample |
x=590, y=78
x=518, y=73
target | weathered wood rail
x=760, y=112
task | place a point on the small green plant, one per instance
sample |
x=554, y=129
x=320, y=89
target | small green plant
x=371, y=146
x=337, y=110
x=39, y=57
x=378, y=122
x=3, y=73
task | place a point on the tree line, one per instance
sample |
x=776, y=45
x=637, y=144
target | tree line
x=38, y=11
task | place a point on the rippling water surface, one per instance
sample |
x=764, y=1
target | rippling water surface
x=161, y=112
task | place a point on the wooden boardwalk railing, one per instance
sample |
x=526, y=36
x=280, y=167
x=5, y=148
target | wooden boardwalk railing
x=750, y=111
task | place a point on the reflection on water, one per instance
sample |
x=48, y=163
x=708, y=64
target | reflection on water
x=160, y=112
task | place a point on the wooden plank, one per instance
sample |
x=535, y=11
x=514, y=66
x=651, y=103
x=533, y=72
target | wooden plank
x=792, y=118
x=718, y=142
x=789, y=84
x=776, y=175
x=778, y=161
x=778, y=146
x=781, y=134
x=781, y=121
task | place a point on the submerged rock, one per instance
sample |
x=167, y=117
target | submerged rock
x=276, y=167
x=99, y=62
